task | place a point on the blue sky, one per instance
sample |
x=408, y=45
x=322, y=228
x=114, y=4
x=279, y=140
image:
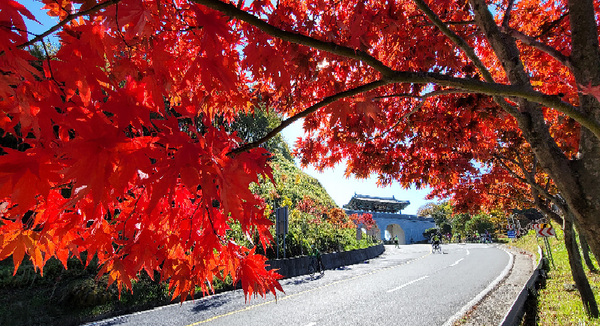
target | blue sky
x=45, y=21
x=340, y=188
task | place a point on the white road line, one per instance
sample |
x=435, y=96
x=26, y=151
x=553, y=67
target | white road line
x=407, y=284
x=456, y=262
x=311, y=324
x=468, y=252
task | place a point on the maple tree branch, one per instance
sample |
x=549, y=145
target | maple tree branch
x=233, y=11
x=528, y=40
x=528, y=174
x=528, y=179
x=459, y=41
x=426, y=95
x=469, y=52
x=494, y=89
x=506, y=18
x=555, y=23
x=544, y=208
x=212, y=225
x=416, y=108
x=510, y=171
x=50, y=68
x=324, y=102
x=119, y=29
x=69, y=18
x=457, y=23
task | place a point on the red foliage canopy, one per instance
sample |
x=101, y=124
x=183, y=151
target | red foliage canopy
x=113, y=146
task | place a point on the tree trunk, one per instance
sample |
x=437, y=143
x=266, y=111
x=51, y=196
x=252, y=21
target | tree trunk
x=581, y=281
x=585, y=60
x=585, y=249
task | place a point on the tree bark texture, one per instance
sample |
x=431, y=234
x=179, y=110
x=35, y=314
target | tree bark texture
x=581, y=281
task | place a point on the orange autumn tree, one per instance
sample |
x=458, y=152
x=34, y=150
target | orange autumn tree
x=116, y=147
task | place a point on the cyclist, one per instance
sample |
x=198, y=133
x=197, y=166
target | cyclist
x=435, y=241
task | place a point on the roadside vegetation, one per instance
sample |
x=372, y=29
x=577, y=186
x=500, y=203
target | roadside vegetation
x=559, y=302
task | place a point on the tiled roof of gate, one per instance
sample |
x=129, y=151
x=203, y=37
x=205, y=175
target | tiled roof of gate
x=376, y=204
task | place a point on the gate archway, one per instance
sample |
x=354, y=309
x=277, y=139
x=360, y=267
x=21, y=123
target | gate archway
x=393, y=230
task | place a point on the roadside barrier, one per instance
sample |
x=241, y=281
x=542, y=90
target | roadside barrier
x=515, y=314
x=290, y=267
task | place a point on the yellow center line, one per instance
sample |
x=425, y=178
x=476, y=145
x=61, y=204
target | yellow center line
x=303, y=292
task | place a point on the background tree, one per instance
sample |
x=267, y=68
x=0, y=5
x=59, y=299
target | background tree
x=459, y=222
x=254, y=125
x=479, y=223
x=441, y=213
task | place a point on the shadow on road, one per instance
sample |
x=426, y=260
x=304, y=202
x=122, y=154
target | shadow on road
x=299, y=281
x=209, y=304
x=343, y=268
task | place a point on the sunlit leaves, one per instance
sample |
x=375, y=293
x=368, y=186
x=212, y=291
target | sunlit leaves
x=118, y=145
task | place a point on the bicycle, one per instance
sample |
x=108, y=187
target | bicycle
x=315, y=266
x=435, y=247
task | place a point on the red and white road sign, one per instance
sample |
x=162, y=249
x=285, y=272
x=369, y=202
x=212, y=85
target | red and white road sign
x=544, y=230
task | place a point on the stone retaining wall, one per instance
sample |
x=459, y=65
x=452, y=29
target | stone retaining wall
x=290, y=267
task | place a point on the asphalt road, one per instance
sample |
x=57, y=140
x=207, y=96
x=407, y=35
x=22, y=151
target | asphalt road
x=405, y=286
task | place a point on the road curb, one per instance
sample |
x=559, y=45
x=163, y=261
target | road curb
x=516, y=311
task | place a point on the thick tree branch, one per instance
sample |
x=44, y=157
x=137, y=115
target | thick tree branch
x=530, y=175
x=324, y=102
x=424, y=96
x=468, y=50
x=547, y=211
x=493, y=89
x=538, y=45
x=472, y=85
x=69, y=18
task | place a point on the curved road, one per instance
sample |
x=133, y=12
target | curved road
x=405, y=286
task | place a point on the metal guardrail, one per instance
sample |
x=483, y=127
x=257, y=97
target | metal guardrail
x=515, y=314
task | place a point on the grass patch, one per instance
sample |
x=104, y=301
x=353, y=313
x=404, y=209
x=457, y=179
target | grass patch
x=557, y=305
